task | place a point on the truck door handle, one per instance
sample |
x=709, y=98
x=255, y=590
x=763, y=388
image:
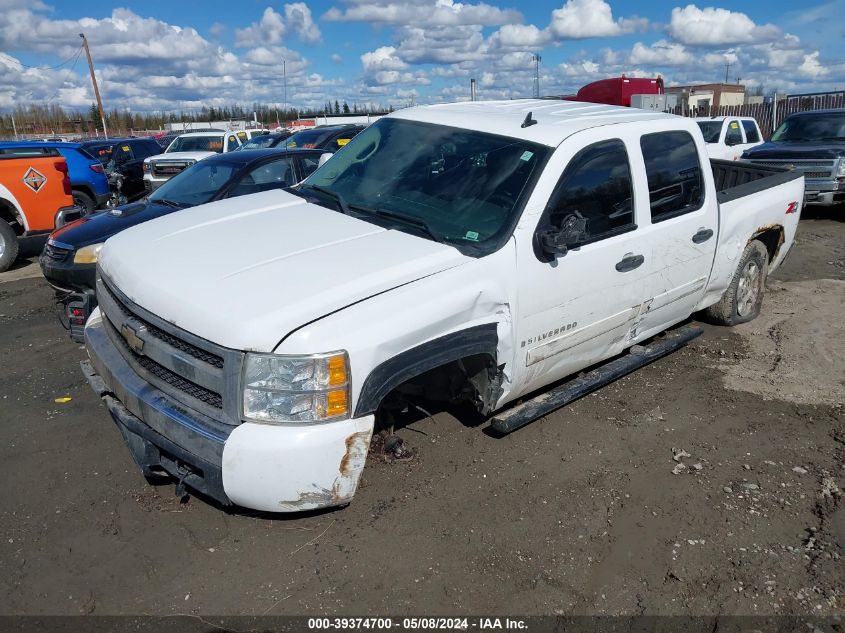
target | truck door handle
x=629, y=262
x=702, y=236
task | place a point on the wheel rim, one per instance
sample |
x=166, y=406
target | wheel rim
x=2, y=244
x=748, y=289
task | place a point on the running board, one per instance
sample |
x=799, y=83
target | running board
x=639, y=355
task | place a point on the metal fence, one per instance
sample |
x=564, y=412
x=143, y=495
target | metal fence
x=765, y=114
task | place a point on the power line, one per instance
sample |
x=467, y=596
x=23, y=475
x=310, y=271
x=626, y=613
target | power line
x=74, y=57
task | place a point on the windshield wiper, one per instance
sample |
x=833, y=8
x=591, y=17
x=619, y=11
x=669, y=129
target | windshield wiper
x=418, y=223
x=169, y=203
x=338, y=198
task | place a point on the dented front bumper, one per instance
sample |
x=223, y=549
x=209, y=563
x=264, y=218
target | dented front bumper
x=272, y=468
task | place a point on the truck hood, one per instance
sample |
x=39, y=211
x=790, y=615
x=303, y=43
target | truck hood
x=796, y=150
x=245, y=272
x=180, y=156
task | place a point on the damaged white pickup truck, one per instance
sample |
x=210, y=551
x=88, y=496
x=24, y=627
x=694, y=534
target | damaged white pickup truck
x=475, y=251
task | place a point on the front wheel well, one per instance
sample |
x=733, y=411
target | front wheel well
x=459, y=366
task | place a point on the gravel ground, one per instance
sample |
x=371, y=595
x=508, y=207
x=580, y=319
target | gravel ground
x=706, y=483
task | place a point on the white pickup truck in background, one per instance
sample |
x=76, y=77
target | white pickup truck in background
x=473, y=252
x=728, y=136
x=184, y=151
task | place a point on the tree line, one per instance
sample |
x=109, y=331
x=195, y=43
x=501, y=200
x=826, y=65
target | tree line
x=54, y=119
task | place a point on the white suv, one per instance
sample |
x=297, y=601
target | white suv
x=184, y=151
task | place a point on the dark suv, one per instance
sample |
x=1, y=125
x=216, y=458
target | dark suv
x=812, y=142
x=126, y=157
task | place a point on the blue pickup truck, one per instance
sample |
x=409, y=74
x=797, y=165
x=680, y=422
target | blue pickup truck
x=88, y=181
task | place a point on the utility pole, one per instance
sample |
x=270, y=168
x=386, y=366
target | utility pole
x=536, y=59
x=727, y=68
x=14, y=127
x=285, y=75
x=94, y=81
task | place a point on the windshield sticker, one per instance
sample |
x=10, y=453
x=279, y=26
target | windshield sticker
x=125, y=148
x=471, y=235
x=734, y=125
x=526, y=155
x=342, y=141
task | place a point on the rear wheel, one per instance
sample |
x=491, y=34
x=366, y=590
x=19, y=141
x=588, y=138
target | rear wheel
x=744, y=297
x=82, y=199
x=8, y=246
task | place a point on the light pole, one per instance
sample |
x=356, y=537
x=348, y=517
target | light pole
x=94, y=81
x=536, y=59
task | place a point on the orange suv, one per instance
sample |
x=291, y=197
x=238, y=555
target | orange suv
x=35, y=197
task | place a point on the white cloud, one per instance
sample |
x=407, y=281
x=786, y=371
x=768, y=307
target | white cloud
x=424, y=13
x=520, y=36
x=714, y=27
x=384, y=58
x=336, y=59
x=579, y=19
x=661, y=53
x=811, y=65
x=272, y=27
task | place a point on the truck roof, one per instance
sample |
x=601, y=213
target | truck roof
x=211, y=133
x=556, y=120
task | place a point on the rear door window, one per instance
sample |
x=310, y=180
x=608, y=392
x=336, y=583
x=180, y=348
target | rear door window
x=752, y=135
x=734, y=134
x=673, y=169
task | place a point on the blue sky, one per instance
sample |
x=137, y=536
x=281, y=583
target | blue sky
x=157, y=55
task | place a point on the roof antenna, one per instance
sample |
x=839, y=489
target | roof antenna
x=528, y=122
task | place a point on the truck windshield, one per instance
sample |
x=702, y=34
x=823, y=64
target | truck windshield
x=443, y=183
x=197, y=144
x=196, y=185
x=710, y=130
x=812, y=127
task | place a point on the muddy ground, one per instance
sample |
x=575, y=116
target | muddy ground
x=586, y=511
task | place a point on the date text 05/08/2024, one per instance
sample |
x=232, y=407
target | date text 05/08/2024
x=414, y=624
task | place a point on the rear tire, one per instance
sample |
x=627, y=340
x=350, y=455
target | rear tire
x=744, y=297
x=82, y=199
x=8, y=246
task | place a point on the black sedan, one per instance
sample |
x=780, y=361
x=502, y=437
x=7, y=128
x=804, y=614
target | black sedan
x=69, y=258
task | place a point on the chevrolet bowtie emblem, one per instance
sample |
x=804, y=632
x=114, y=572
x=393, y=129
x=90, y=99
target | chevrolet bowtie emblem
x=130, y=335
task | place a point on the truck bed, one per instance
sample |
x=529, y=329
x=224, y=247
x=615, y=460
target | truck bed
x=736, y=179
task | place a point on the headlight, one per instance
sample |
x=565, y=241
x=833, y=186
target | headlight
x=88, y=254
x=296, y=388
x=840, y=173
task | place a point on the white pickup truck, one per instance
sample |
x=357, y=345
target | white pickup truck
x=467, y=252
x=184, y=151
x=727, y=137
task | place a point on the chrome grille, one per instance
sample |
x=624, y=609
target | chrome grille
x=810, y=168
x=168, y=169
x=207, y=357
x=194, y=371
x=55, y=253
x=211, y=398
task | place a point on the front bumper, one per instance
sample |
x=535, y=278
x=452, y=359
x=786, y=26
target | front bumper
x=65, y=215
x=284, y=468
x=65, y=276
x=824, y=198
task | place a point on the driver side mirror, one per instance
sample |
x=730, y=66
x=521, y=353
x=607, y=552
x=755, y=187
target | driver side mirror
x=323, y=158
x=557, y=241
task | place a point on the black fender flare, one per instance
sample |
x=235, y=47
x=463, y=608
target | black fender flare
x=385, y=377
